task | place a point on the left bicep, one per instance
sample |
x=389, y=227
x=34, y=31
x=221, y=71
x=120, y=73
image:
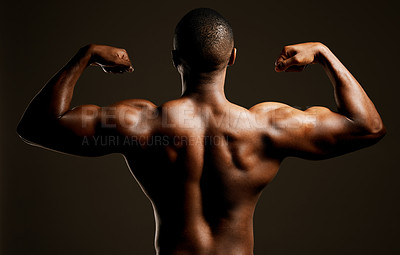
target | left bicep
x=315, y=133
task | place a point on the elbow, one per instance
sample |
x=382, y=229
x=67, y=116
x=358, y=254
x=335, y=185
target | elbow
x=35, y=132
x=371, y=130
x=22, y=131
x=381, y=132
x=376, y=130
x=26, y=133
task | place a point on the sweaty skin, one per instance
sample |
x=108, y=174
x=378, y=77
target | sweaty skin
x=202, y=160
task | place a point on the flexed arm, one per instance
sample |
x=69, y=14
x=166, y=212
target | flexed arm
x=318, y=132
x=49, y=122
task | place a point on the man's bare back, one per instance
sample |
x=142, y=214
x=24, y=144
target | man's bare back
x=200, y=159
x=203, y=172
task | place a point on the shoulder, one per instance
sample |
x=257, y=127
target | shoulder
x=134, y=103
x=181, y=116
x=131, y=115
x=270, y=107
x=274, y=116
x=281, y=108
x=177, y=107
x=132, y=107
x=276, y=112
x=177, y=103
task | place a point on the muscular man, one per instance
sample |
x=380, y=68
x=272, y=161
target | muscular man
x=202, y=160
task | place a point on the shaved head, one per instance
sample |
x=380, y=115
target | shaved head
x=204, y=40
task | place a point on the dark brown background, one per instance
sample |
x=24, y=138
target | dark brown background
x=58, y=204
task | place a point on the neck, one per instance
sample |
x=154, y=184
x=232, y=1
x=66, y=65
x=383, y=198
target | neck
x=207, y=87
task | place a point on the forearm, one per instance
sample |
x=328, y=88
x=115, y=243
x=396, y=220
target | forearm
x=350, y=97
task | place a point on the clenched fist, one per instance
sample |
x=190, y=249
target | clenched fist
x=110, y=59
x=294, y=58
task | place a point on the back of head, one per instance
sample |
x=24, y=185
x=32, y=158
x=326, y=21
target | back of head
x=204, y=40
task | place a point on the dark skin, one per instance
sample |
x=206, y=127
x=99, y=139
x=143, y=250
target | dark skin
x=202, y=160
